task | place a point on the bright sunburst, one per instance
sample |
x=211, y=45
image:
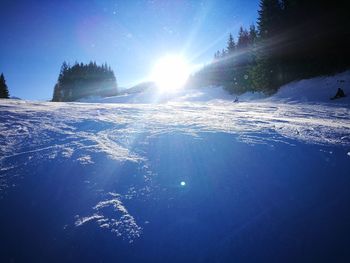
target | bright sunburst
x=171, y=73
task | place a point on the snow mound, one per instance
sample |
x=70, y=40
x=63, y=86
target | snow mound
x=319, y=89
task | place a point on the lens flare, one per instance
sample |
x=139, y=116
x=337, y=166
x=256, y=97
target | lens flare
x=170, y=73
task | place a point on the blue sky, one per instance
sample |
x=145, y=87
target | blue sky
x=37, y=36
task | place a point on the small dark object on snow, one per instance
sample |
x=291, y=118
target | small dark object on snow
x=236, y=99
x=340, y=94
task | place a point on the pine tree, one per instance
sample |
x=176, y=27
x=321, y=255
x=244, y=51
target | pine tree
x=253, y=34
x=231, y=46
x=243, y=38
x=223, y=53
x=56, y=93
x=63, y=71
x=260, y=76
x=266, y=64
x=269, y=18
x=4, y=92
x=216, y=55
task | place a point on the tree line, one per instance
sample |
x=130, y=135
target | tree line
x=293, y=39
x=84, y=80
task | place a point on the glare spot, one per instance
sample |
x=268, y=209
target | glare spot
x=183, y=183
x=171, y=72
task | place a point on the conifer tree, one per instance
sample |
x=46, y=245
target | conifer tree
x=223, y=53
x=253, y=34
x=231, y=46
x=56, y=93
x=243, y=38
x=4, y=92
x=217, y=55
x=269, y=18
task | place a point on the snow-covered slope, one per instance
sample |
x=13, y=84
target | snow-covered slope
x=319, y=89
x=196, y=179
x=321, y=124
x=154, y=96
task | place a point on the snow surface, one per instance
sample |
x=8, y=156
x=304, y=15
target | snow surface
x=30, y=125
x=118, y=164
x=156, y=96
x=319, y=89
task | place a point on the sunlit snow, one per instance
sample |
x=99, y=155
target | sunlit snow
x=104, y=148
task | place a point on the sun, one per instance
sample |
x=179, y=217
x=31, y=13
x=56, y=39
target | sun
x=170, y=73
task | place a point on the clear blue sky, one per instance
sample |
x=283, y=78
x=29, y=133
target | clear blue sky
x=130, y=35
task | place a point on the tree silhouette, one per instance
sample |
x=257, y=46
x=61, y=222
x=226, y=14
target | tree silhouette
x=243, y=38
x=294, y=39
x=80, y=80
x=4, y=92
x=269, y=18
x=253, y=34
x=231, y=46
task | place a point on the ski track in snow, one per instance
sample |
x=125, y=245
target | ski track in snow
x=42, y=130
x=28, y=127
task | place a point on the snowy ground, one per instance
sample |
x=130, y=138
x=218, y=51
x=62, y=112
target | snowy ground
x=316, y=90
x=105, y=180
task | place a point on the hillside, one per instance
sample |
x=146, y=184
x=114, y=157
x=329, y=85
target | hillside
x=319, y=89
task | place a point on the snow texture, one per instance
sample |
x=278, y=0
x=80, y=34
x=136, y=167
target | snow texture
x=35, y=132
x=122, y=223
x=319, y=89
